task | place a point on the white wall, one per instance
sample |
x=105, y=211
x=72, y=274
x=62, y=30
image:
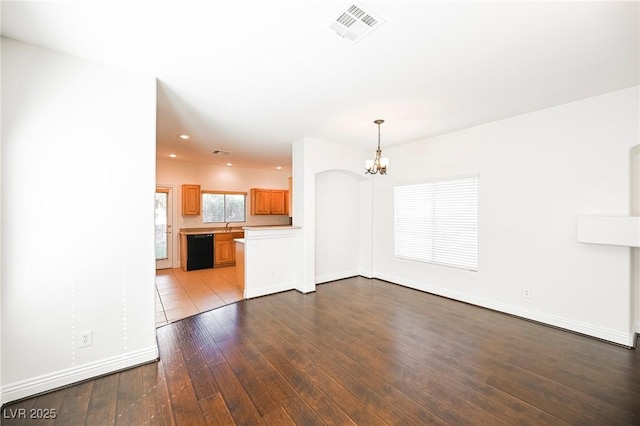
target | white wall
x=337, y=227
x=1, y=252
x=538, y=173
x=176, y=173
x=635, y=252
x=78, y=155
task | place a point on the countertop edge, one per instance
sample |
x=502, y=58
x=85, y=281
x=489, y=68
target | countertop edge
x=265, y=228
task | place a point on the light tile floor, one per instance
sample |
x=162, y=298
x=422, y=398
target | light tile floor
x=180, y=294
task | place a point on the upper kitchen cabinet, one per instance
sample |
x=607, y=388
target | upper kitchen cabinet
x=278, y=201
x=269, y=201
x=190, y=200
x=260, y=201
x=290, y=197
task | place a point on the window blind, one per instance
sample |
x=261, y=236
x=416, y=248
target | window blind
x=437, y=222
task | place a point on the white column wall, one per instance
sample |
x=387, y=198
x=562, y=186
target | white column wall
x=310, y=158
x=78, y=182
x=538, y=173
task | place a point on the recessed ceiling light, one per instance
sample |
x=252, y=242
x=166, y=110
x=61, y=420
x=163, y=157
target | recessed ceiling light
x=278, y=167
x=183, y=136
x=172, y=155
x=229, y=164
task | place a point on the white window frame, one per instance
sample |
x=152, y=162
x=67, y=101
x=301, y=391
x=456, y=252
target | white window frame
x=436, y=222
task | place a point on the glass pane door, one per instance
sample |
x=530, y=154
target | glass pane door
x=163, y=228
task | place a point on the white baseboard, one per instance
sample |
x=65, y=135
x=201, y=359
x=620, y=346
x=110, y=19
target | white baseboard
x=336, y=276
x=263, y=291
x=47, y=382
x=615, y=336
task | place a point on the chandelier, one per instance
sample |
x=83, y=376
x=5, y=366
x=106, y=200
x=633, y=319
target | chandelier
x=379, y=164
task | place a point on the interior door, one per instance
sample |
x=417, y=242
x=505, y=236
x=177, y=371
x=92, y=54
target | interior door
x=164, y=237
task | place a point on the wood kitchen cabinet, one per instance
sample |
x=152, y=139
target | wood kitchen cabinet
x=260, y=201
x=290, y=198
x=190, y=200
x=278, y=201
x=269, y=201
x=224, y=248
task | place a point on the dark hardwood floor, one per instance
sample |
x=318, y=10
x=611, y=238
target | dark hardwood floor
x=364, y=352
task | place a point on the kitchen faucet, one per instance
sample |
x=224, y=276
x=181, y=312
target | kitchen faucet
x=226, y=226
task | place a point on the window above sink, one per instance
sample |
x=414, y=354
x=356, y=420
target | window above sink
x=223, y=207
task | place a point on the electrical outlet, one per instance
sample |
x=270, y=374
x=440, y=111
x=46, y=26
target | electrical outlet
x=85, y=338
x=526, y=293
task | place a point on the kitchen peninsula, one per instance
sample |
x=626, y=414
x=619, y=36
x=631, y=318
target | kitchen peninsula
x=264, y=255
x=267, y=255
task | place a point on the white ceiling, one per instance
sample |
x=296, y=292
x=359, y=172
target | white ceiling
x=250, y=77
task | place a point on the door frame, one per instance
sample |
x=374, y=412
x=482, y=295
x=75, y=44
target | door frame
x=171, y=212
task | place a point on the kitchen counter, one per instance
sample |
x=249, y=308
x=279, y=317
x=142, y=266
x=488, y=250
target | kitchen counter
x=220, y=230
x=269, y=227
x=200, y=231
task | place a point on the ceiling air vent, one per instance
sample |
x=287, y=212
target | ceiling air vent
x=220, y=152
x=355, y=23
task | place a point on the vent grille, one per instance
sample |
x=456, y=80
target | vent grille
x=355, y=23
x=355, y=11
x=346, y=20
x=369, y=20
x=220, y=152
